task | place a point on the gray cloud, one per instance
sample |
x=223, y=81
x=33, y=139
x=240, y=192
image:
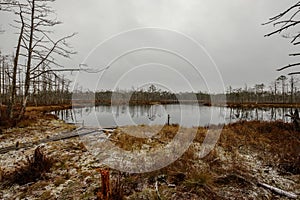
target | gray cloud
x=230, y=31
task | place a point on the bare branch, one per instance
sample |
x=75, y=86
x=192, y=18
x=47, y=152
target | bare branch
x=296, y=43
x=55, y=44
x=295, y=38
x=286, y=20
x=275, y=18
x=294, y=73
x=282, y=28
x=54, y=70
x=294, y=54
x=288, y=66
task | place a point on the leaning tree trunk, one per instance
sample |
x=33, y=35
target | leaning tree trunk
x=13, y=95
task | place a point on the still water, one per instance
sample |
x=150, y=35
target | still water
x=184, y=115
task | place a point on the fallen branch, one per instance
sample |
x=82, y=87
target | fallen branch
x=278, y=191
x=63, y=136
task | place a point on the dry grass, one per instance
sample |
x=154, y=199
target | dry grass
x=244, y=152
x=272, y=143
x=133, y=138
x=275, y=141
x=32, y=114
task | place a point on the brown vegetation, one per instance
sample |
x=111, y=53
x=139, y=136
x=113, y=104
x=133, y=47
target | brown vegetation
x=31, y=115
x=246, y=154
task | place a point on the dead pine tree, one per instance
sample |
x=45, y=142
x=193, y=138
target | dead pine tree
x=35, y=45
x=13, y=93
x=39, y=45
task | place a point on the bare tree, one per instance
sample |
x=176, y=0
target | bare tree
x=286, y=22
x=282, y=79
x=292, y=86
x=35, y=44
x=41, y=49
x=259, y=90
x=13, y=94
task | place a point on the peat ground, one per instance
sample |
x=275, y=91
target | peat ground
x=246, y=154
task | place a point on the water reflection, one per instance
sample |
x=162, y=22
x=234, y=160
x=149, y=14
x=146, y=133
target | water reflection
x=261, y=114
x=185, y=115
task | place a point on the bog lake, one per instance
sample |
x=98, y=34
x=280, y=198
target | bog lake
x=187, y=115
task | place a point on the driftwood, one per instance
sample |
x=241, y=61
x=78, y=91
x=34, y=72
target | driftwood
x=273, y=189
x=278, y=191
x=63, y=136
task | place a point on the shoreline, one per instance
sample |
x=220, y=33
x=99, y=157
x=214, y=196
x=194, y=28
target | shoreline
x=49, y=108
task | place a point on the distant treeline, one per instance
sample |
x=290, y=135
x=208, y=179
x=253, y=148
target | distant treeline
x=282, y=91
x=52, y=89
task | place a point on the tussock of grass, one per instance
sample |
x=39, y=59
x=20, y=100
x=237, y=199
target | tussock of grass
x=197, y=179
x=25, y=123
x=133, y=138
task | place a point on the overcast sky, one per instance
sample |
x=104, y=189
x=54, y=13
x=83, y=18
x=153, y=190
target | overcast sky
x=223, y=40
